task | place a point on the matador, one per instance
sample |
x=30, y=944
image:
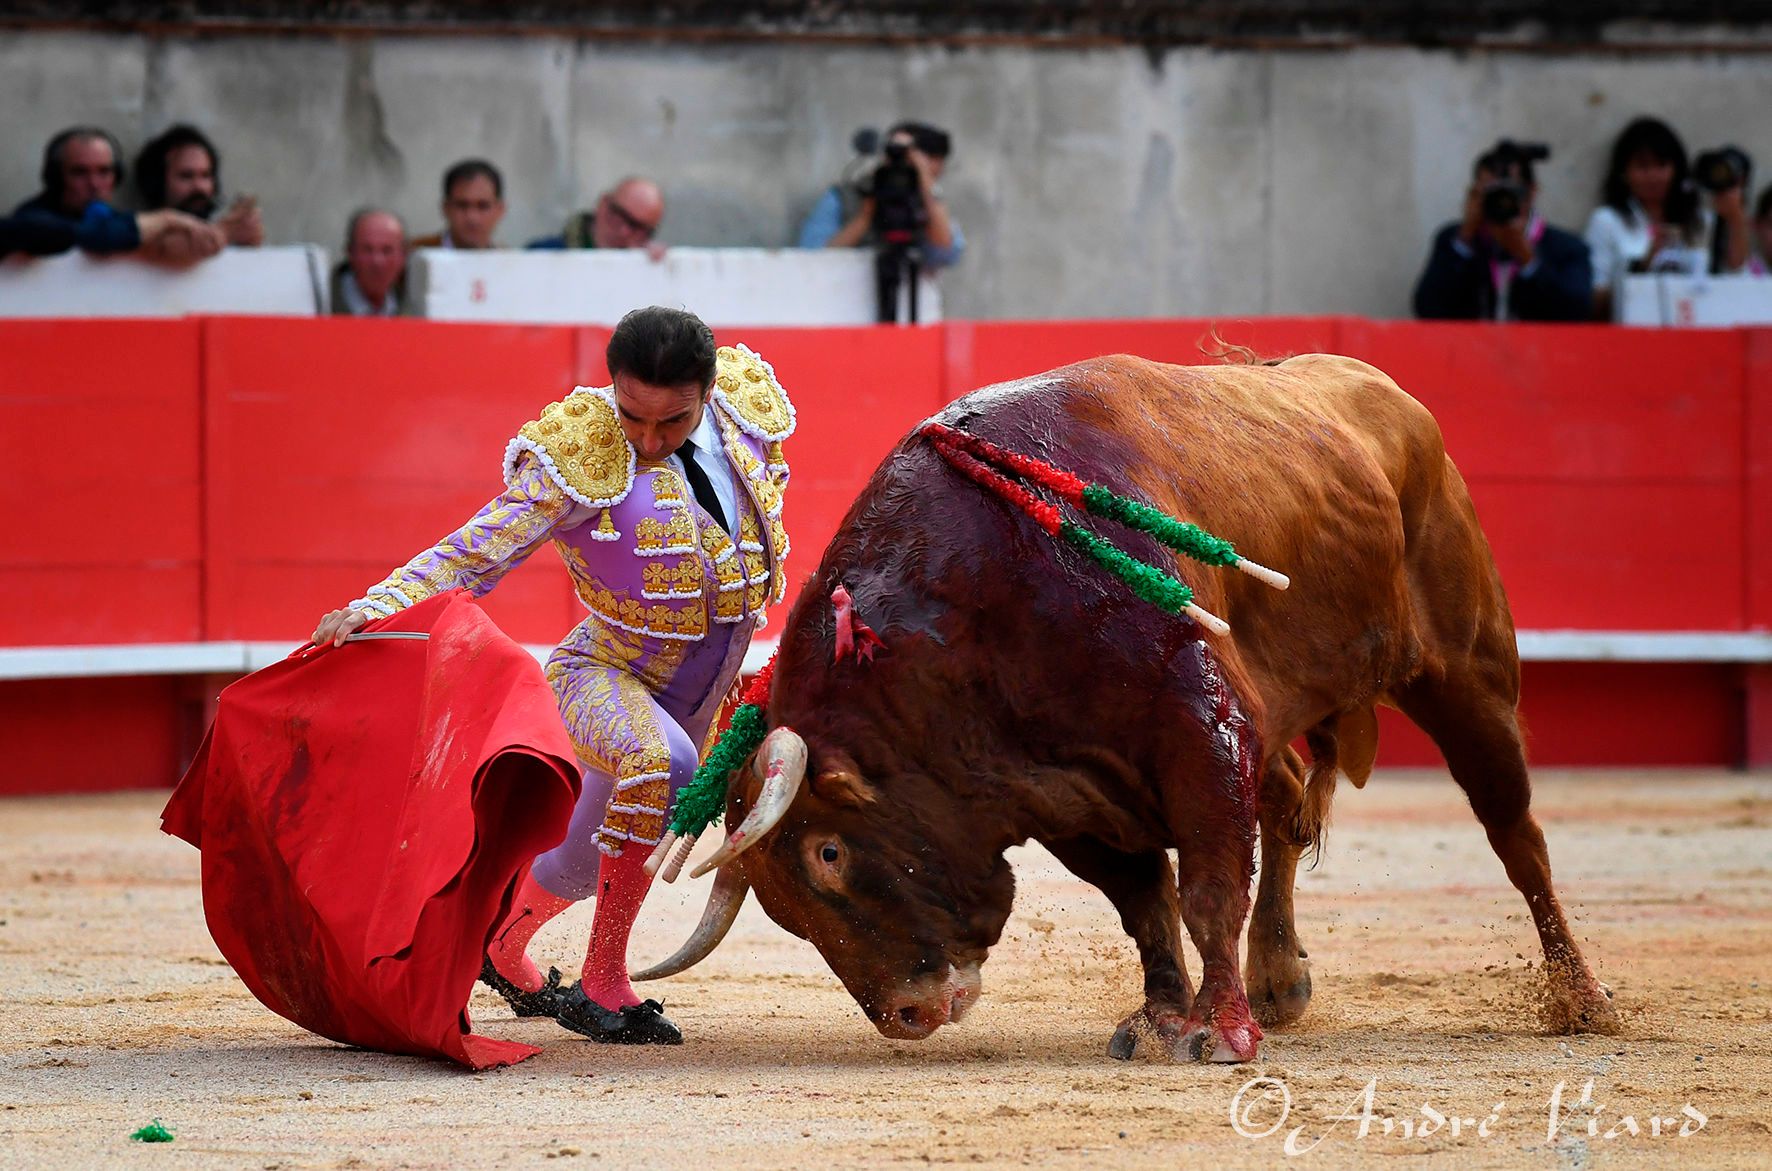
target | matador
x=663, y=494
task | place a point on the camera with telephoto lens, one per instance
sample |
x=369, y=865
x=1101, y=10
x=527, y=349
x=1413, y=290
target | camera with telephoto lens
x=1722, y=168
x=899, y=214
x=1504, y=198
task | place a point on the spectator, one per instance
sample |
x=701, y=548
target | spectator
x=473, y=203
x=926, y=148
x=180, y=169
x=80, y=175
x=1761, y=264
x=370, y=281
x=1502, y=261
x=1650, y=218
x=169, y=236
x=626, y=216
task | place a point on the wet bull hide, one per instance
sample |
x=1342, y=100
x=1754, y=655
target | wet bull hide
x=1023, y=693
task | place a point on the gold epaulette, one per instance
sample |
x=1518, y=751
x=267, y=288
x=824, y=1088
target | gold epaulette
x=746, y=389
x=580, y=442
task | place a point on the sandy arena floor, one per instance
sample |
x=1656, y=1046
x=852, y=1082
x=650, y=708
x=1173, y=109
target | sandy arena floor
x=118, y=1010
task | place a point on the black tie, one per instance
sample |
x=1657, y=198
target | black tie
x=701, y=485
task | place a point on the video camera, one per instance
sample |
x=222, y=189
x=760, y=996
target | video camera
x=1504, y=197
x=1722, y=168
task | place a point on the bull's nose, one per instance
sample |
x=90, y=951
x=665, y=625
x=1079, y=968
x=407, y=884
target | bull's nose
x=912, y=1020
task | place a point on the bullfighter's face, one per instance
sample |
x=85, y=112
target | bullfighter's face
x=896, y=891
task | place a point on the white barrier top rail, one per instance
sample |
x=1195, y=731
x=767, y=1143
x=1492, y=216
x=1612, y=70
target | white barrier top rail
x=241, y=657
x=722, y=286
x=281, y=282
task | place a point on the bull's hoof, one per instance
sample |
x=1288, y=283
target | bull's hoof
x=1196, y=1041
x=1279, y=988
x=1186, y=1038
x=1579, y=1005
x=1148, y=1021
x=1124, y=1043
x=1274, y=1007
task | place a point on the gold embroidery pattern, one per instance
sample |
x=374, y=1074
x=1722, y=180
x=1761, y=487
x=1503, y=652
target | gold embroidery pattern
x=746, y=388
x=582, y=445
x=750, y=538
x=687, y=620
x=611, y=719
x=668, y=490
x=652, y=537
x=716, y=544
x=663, y=580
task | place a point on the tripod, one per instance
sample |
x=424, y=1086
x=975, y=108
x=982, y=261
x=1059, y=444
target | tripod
x=894, y=263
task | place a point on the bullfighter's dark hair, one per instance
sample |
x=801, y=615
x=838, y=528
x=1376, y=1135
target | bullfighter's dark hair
x=1653, y=137
x=150, y=164
x=52, y=156
x=662, y=347
x=473, y=169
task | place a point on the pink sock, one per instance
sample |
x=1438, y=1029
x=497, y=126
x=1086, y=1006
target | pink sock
x=531, y=906
x=621, y=888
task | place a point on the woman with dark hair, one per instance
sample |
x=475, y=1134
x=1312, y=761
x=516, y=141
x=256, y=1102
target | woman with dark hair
x=1651, y=219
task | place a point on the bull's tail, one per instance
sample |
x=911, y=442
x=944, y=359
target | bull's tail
x=1345, y=743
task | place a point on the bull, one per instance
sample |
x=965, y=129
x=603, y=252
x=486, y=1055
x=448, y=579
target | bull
x=1025, y=695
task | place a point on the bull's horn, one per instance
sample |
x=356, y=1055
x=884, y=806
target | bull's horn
x=724, y=900
x=781, y=762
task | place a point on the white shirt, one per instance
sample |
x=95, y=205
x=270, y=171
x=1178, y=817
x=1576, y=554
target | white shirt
x=1614, y=242
x=710, y=457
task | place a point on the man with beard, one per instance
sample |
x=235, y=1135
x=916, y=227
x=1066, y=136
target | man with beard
x=81, y=169
x=181, y=170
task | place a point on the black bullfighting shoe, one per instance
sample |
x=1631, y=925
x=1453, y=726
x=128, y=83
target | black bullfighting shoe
x=545, y=1001
x=637, y=1024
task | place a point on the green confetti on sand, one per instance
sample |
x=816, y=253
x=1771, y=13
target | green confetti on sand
x=153, y=1132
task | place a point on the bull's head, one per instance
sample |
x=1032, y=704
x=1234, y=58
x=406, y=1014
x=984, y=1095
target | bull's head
x=903, y=895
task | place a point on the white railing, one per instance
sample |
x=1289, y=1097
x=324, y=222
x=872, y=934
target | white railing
x=282, y=282
x=724, y=286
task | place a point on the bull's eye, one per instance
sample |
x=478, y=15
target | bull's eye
x=824, y=861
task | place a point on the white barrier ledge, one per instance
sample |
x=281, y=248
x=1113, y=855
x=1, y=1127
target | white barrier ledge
x=287, y=281
x=1644, y=646
x=724, y=286
x=201, y=658
x=239, y=658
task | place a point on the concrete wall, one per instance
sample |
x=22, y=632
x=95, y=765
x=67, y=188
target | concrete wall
x=1090, y=182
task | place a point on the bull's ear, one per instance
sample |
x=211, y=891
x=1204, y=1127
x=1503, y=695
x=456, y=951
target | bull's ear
x=842, y=786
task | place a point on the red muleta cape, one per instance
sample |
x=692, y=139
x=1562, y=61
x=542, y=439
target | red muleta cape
x=363, y=812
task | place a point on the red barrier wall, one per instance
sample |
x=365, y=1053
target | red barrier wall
x=232, y=478
x=338, y=449
x=100, y=433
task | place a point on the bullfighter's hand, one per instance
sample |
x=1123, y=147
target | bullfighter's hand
x=337, y=626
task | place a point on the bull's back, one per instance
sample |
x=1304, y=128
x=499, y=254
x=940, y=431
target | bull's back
x=1320, y=466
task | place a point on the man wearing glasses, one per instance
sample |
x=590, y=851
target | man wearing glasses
x=626, y=216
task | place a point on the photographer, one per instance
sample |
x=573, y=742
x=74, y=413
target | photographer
x=1724, y=172
x=924, y=148
x=1652, y=218
x=1501, y=261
